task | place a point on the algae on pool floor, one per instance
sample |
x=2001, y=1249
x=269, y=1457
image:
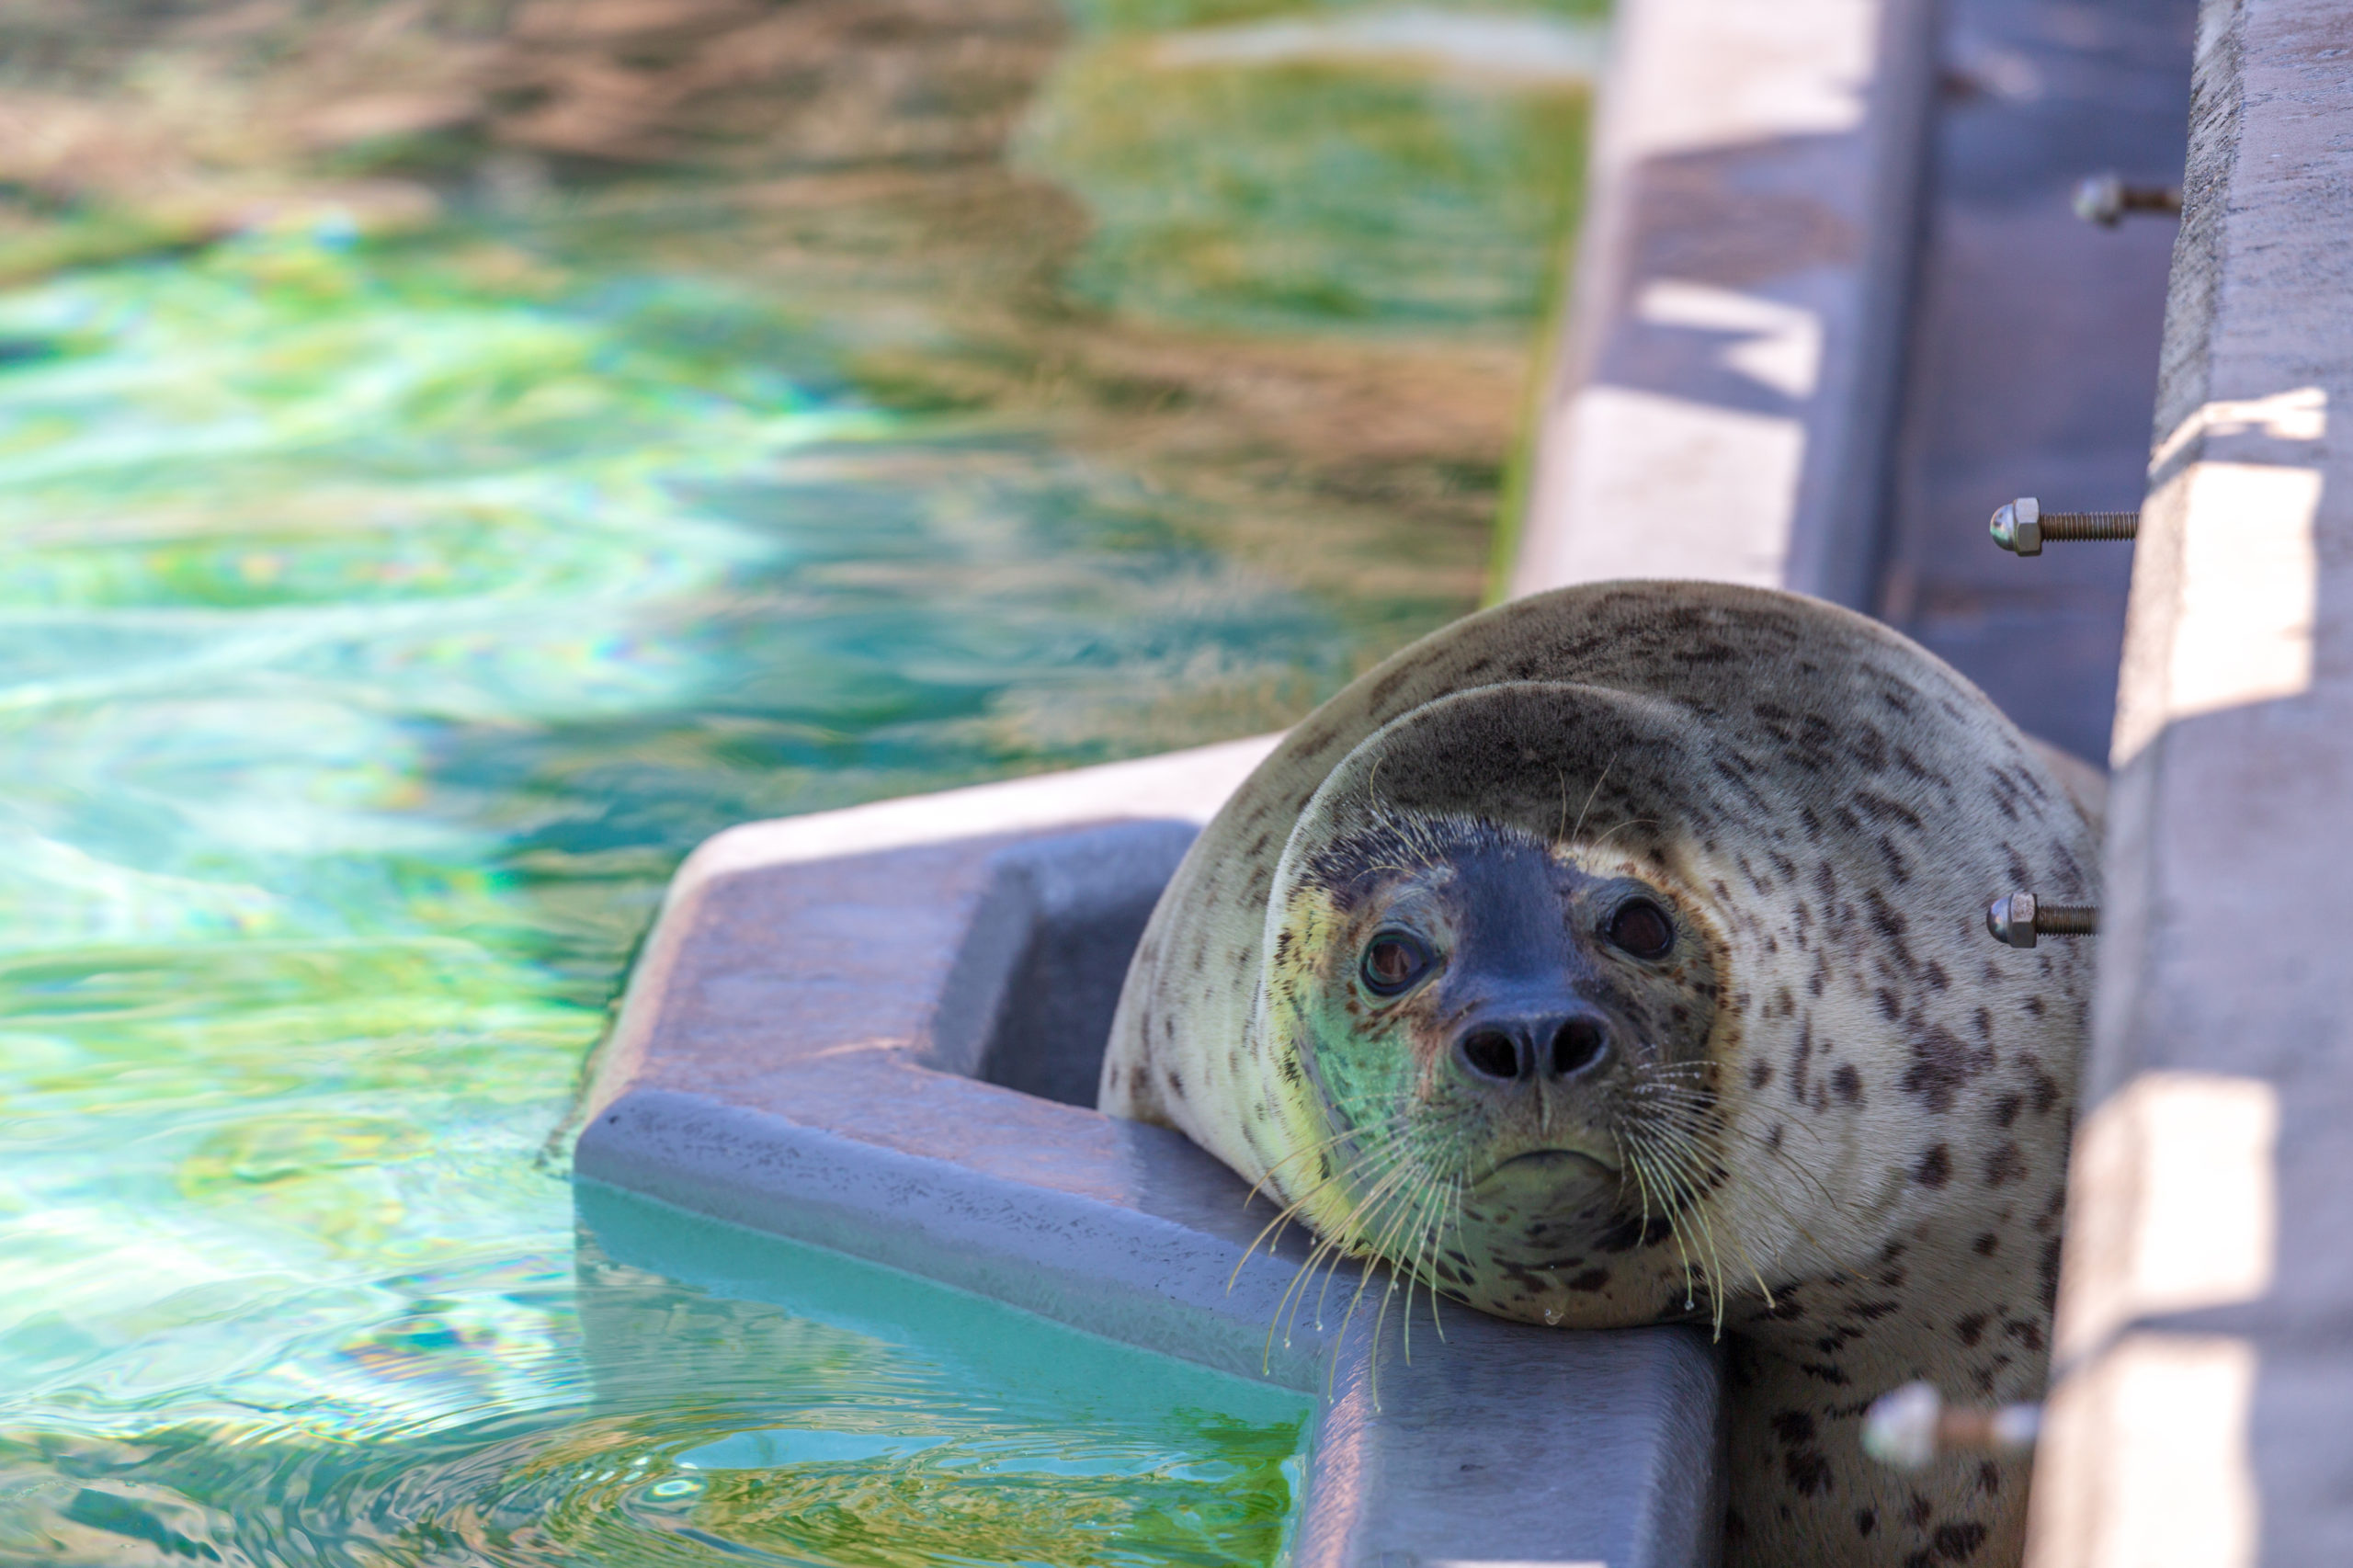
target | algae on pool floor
x=455, y=456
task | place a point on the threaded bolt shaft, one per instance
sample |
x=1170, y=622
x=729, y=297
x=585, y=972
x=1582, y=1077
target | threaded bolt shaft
x=2019, y=918
x=2022, y=526
x=2090, y=524
x=2104, y=198
x=2066, y=919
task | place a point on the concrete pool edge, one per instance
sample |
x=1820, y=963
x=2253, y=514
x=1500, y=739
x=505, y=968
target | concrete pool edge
x=1729, y=367
x=798, y=1078
x=1453, y=1454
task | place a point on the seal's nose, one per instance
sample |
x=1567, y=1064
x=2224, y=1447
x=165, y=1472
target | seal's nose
x=1523, y=1049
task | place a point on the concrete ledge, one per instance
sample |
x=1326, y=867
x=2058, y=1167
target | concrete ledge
x=2207, y=1290
x=797, y=1055
x=1722, y=401
x=1424, y=1460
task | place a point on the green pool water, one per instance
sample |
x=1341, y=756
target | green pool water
x=384, y=614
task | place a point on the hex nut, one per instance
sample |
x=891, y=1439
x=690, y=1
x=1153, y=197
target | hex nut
x=2017, y=526
x=2011, y=919
x=2099, y=199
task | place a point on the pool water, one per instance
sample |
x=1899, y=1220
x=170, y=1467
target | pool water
x=385, y=609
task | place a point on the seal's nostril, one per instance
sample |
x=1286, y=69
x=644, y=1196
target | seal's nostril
x=1575, y=1045
x=1491, y=1054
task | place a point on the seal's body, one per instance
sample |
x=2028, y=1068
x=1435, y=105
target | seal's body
x=1617, y=957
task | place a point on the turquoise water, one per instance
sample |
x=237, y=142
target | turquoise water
x=374, y=650
x=383, y=615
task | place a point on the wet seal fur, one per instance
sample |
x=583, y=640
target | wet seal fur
x=1617, y=956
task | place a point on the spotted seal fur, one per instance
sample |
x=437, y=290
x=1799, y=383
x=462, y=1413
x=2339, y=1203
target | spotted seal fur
x=1617, y=957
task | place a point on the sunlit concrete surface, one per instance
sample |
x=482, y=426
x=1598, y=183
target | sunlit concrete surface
x=1722, y=402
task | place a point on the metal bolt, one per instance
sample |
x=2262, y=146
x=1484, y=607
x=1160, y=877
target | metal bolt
x=2022, y=526
x=2017, y=526
x=2104, y=198
x=1912, y=1428
x=2019, y=918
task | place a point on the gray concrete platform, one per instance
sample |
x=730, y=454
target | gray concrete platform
x=823, y=1041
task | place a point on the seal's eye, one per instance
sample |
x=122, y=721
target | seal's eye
x=1641, y=929
x=1393, y=961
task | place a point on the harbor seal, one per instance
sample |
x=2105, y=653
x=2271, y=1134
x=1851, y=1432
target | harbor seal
x=1615, y=956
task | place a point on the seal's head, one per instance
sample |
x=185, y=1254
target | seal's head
x=1500, y=1032
x=1498, y=1028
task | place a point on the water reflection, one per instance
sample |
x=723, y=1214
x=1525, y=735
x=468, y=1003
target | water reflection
x=454, y=457
x=851, y=1416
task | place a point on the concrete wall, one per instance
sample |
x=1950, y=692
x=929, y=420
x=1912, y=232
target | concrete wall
x=1722, y=401
x=2032, y=349
x=2206, y=1311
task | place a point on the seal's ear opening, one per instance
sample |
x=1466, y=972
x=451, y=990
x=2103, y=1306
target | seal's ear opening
x=1551, y=759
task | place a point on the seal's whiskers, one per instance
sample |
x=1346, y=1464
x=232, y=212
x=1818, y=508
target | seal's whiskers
x=1271, y=1235
x=1681, y=1129
x=1384, y=1149
x=1674, y=1153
